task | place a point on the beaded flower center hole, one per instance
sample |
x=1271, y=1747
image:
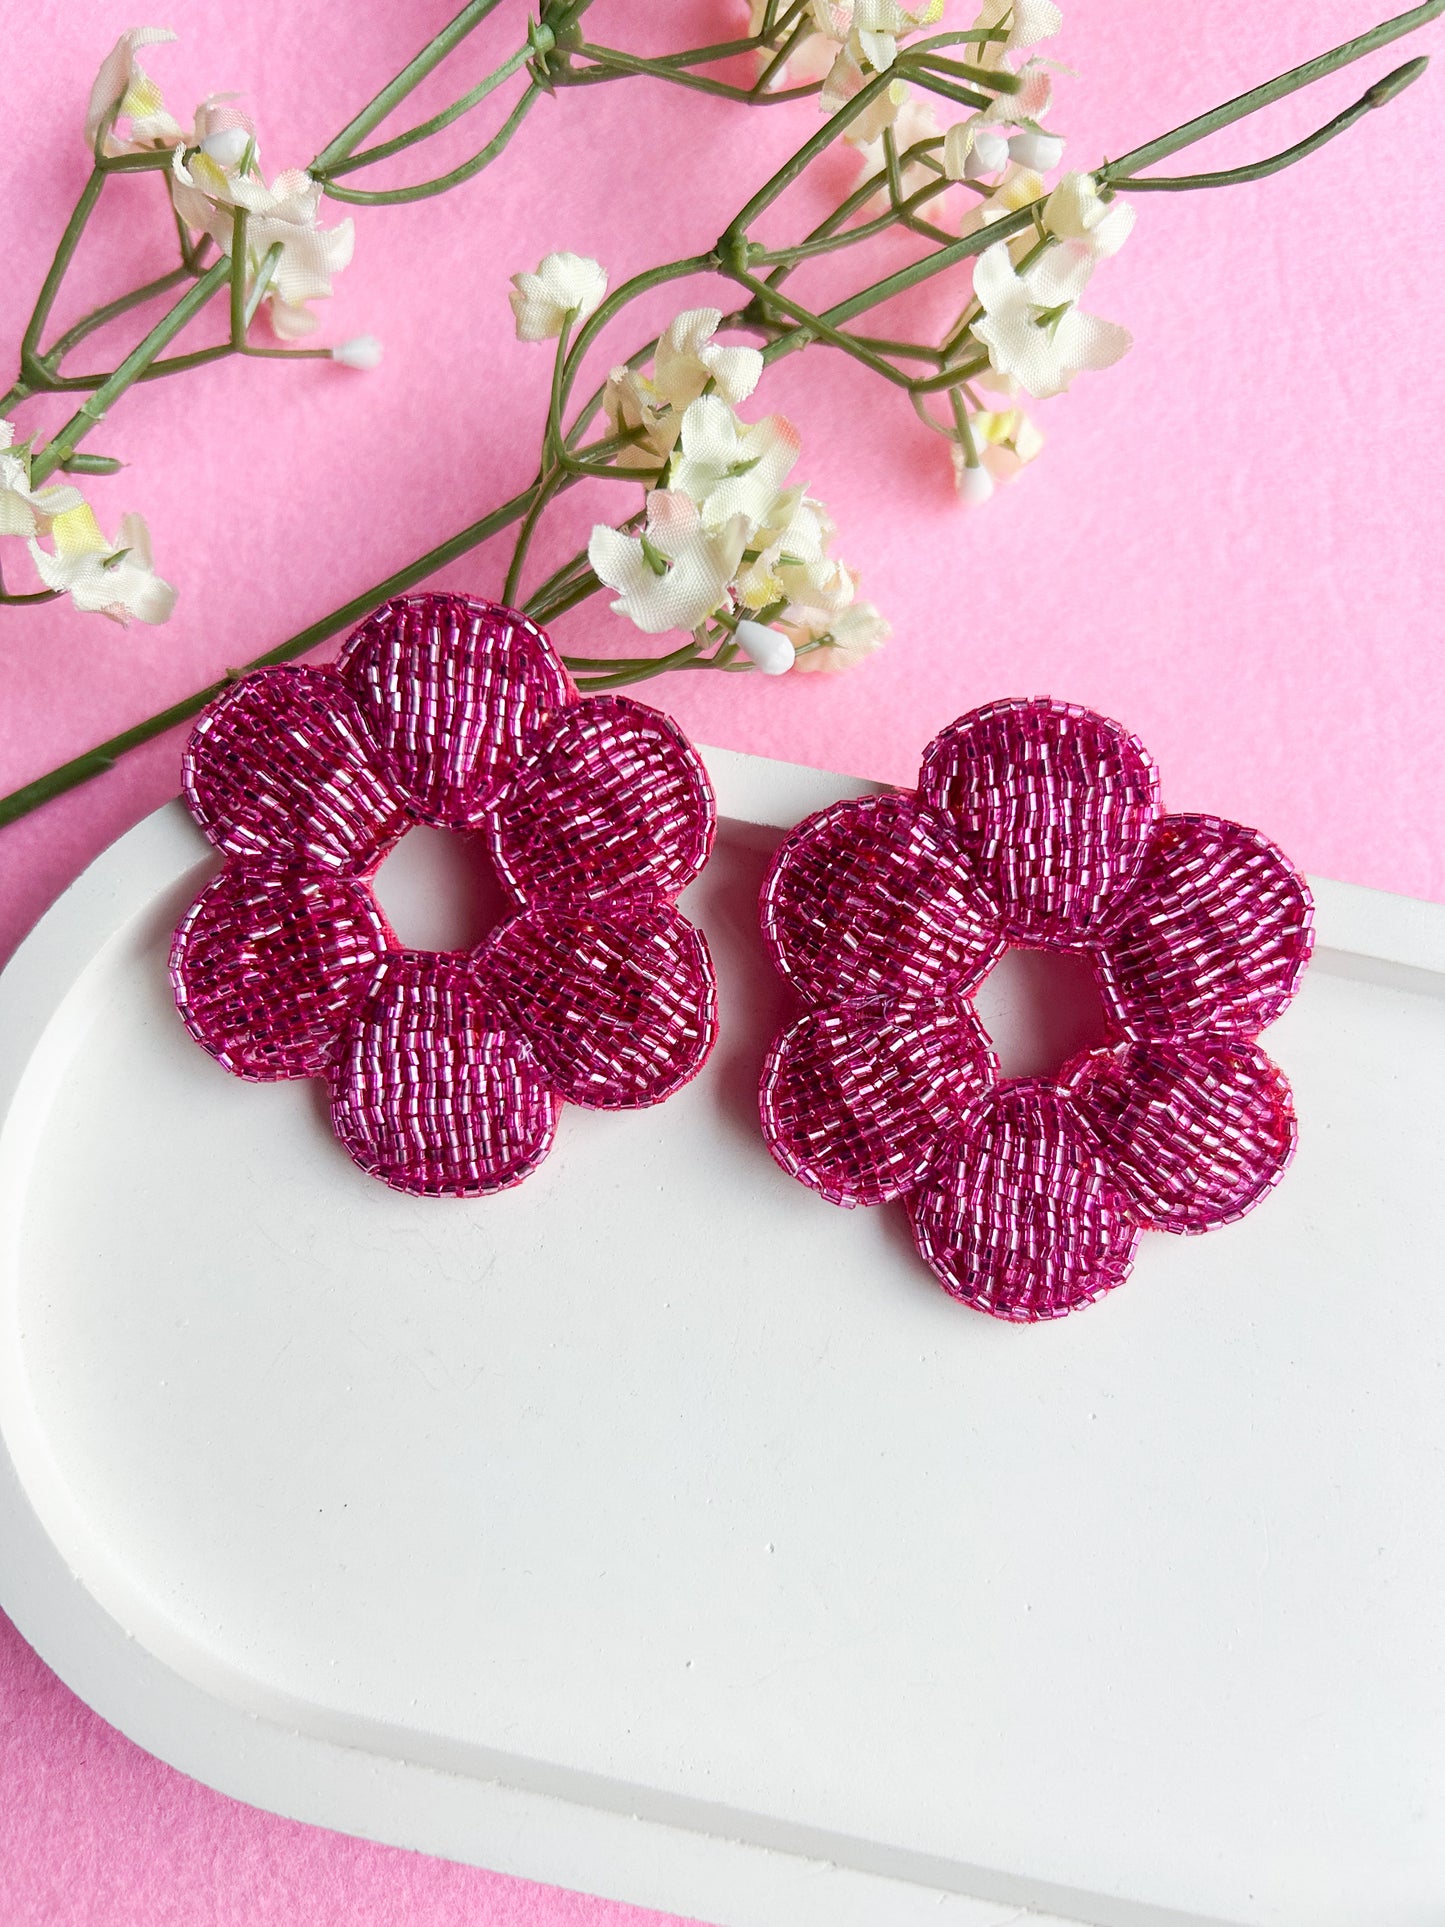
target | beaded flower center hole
x=439, y=890
x=1040, y=1007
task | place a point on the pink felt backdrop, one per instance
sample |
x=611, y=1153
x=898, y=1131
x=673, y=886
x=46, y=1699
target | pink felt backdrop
x=1231, y=542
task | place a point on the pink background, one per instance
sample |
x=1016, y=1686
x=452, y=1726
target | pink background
x=1231, y=542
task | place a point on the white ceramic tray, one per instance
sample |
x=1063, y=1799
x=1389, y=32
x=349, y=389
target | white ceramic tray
x=658, y=1530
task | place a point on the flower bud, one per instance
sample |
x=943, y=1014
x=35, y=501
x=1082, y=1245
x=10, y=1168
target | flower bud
x=975, y=484
x=1038, y=151
x=361, y=351
x=227, y=145
x=988, y=155
x=768, y=649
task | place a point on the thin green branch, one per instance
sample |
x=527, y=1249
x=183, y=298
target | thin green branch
x=396, y=91
x=425, y=129
x=93, y=411
x=424, y=190
x=1379, y=95
x=1272, y=90
x=61, y=347
x=610, y=61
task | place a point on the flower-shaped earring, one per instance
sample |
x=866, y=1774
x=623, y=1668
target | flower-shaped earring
x=1038, y=825
x=448, y=1069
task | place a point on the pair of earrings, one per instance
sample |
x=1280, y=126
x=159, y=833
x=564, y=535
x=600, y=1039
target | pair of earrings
x=1033, y=823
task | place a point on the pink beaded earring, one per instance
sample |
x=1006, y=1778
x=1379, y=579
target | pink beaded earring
x=1039, y=825
x=447, y=1069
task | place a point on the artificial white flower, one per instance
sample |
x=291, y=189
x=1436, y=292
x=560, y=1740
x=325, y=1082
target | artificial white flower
x=1028, y=22
x=788, y=559
x=686, y=362
x=1031, y=326
x=113, y=579
x=731, y=468
x=769, y=650
x=688, y=359
x=23, y=510
x=565, y=287
x=1076, y=211
x=206, y=195
x=361, y=351
x=676, y=574
x=1019, y=188
x=633, y=406
x=1004, y=441
x=123, y=90
x=839, y=640
x=878, y=25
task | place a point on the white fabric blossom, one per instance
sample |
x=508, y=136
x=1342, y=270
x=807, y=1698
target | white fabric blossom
x=730, y=467
x=1019, y=188
x=123, y=90
x=838, y=641
x=1076, y=211
x=564, y=286
x=688, y=359
x=792, y=564
x=112, y=579
x=1031, y=326
x=1028, y=22
x=206, y=195
x=676, y=574
x=1004, y=440
x=23, y=510
x=878, y=25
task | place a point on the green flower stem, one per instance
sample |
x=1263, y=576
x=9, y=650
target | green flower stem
x=548, y=609
x=619, y=299
x=238, y=276
x=780, y=182
x=641, y=669
x=817, y=327
x=997, y=80
x=559, y=580
x=396, y=91
x=64, y=255
x=425, y=129
x=1272, y=90
x=123, y=304
x=265, y=274
x=610, y=62
x=849, y=237
x=1379, y=95
x=424, y=190
x=93, y=411
x=782, y=54
x=936, y=84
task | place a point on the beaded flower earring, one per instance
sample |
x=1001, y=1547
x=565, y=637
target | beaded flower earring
x=448, y=1068
x=1038, y=825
